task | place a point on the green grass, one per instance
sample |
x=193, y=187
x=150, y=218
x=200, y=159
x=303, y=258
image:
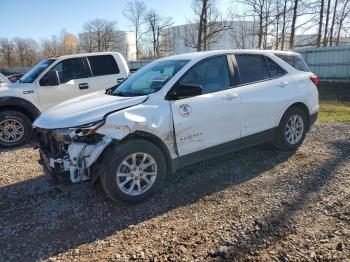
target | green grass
x=334, y=111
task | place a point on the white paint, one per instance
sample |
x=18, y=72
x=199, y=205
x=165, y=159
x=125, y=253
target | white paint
x=45, y=97
x=211, y=119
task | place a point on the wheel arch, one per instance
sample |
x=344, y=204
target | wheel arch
x=157, y=142
x=20, y=105
x=303, y=107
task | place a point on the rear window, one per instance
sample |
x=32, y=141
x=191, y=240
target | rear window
x=295, y=61
x=252, y=68
x=274, y=69
x=103, y=65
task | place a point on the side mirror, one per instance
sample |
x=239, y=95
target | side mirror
x=185, y=91
x=51, y=78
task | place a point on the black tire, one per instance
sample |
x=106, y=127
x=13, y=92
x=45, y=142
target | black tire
x=26, y=123
x=114, y=156
x=281, y=141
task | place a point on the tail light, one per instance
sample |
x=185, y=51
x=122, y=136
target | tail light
x=314, y=79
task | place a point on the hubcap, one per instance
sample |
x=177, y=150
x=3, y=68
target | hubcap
x=294, y=129
x=11, y=131
x=136, y=174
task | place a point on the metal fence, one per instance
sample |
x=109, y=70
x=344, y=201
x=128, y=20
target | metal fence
x=136, y=65
x=330, y=64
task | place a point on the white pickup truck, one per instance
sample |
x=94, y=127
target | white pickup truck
x=51, y=82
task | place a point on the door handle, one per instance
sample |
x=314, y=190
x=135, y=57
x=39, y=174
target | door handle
x=229, y=97
x=83, y=86
x=283, y=84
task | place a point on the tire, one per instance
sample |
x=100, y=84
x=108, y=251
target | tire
x=15, y=129
x=118, y=161
x=285, y=142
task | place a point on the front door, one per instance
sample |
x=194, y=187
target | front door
x=212, y=118
x=73, y=81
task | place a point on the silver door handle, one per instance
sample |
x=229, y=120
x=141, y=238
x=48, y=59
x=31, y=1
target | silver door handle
x=283, y=84
x=230, y=97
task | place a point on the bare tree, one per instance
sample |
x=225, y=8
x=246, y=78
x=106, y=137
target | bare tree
x=257, y=9
x=7, y=52
x=292, y=30
x=284, y=24
x=345, y=12
x=156, y=25
x=320, y=24
x=99, y=35
x=25, y=51
x=328, y=11
x=333, y=23
x=135, y=12
x=207, y=27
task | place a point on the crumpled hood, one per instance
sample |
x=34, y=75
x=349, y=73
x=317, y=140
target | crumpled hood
x=84, y=110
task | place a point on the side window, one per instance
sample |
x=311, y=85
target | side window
x=295, y=61
x=274, y=69
x=103, y=65
x=69, y=69
x=252, y=68
x=212, y=74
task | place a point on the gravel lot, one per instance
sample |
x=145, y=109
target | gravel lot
x=256, y=204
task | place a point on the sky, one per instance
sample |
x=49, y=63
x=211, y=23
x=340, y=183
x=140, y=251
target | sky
x=40, y=19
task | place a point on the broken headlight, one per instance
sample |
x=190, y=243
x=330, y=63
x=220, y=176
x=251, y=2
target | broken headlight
x=88, y=129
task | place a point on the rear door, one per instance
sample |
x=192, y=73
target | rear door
x=265, y=90
x=74, y=77
x=105, y=72
x=212, y=118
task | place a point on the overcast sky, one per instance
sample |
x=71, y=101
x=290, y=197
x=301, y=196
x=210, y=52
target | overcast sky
x=40, y=19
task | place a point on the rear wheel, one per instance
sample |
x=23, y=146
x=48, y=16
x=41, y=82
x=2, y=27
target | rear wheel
x=15, y=129
x=135, y=170
x=292, y=129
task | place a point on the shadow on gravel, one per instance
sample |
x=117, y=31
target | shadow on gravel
x=38, y=222
x=279, y=224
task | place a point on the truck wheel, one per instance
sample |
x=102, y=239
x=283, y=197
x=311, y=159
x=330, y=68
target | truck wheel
x=15, y=129
x=134, y=171
x=291, y=130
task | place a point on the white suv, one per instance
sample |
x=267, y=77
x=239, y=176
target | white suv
x=174, y=112
x=51, y=82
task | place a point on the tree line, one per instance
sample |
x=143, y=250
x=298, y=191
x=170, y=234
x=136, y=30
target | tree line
x=276, y=25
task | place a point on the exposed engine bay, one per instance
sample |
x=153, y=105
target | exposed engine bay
x=68, y=154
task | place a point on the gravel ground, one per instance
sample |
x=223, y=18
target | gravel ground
x=254, y=205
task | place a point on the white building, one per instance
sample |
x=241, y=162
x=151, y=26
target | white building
x=239, y=35
x=123, y=42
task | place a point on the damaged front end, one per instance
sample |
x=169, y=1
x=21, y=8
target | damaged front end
x=69, y=155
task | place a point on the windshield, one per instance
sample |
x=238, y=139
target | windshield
x=149, y=79
x=33, y=73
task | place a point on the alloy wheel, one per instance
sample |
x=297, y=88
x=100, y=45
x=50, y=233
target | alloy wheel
x=294, y=129
x=11, y=131
x=136, y=174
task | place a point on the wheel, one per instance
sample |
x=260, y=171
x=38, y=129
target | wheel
x=291, y=130
x=15, y=129
x=134, y=171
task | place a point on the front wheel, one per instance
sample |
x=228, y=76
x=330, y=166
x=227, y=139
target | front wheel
x=15, y=129
x=135, y=170
x=291, y=130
